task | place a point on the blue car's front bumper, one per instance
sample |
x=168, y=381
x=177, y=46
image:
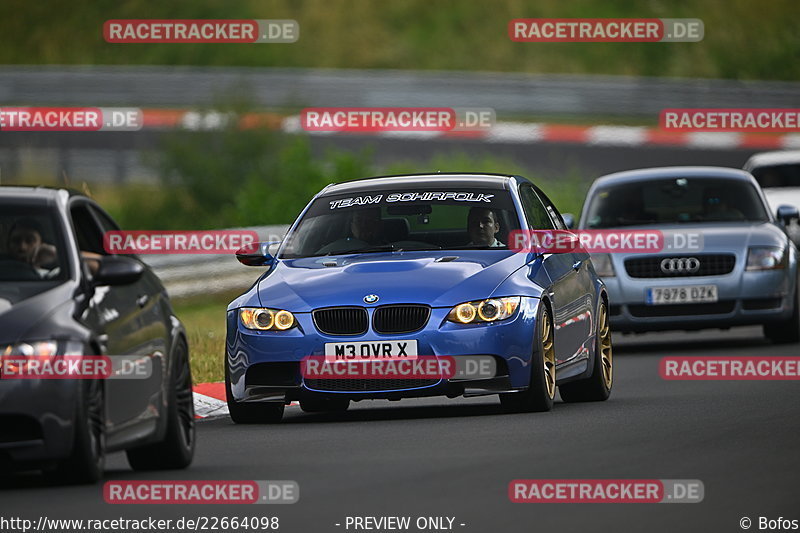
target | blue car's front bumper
x=266, y=365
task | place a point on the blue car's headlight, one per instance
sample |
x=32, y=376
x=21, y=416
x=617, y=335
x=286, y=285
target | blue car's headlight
x=766, y=258
x=264, y=319
x=479, y=311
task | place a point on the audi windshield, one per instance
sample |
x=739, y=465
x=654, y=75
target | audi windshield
x=675, y=201
x=403, y=220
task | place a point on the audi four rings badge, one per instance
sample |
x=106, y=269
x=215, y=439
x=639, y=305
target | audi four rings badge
x=679, y=265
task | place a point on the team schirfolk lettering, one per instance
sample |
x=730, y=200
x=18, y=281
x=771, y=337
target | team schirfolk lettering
x=412, y=197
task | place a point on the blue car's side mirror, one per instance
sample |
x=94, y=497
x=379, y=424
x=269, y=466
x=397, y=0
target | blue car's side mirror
x=569, y=220
x=256, y=254
x=787, y=213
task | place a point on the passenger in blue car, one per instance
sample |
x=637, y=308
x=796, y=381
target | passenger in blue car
x=483, y=226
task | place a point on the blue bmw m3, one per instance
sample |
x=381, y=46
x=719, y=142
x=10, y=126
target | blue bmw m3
x=405, y=268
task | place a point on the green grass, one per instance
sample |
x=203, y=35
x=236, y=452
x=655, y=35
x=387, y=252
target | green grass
x=744, y=39
x=204, y=320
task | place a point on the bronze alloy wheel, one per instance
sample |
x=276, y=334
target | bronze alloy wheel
x=549, y=355
x=604, y=332
x=597, y=386
x=539, y=395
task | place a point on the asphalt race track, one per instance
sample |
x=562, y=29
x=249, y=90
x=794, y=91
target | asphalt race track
x=456, y=458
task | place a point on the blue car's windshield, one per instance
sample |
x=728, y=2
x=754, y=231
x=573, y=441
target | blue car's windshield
x=407, y=220
x=674, y=201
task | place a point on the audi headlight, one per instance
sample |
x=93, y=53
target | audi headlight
x=766, y=258
x=603, y=265
x=264, y=319
x=481, y=311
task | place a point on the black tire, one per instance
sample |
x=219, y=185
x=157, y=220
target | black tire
x=251, y=413
x=597, y=387
x=786, y=331
x=177, y=449
x=540, y=393
x=324, y=405
x=86, y=463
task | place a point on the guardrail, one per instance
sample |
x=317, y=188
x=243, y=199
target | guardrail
x=194, y=274
x=530, y=94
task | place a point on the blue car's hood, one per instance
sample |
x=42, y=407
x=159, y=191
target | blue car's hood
x=413, y=277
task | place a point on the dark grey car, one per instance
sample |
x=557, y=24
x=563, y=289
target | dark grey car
x=61, y=293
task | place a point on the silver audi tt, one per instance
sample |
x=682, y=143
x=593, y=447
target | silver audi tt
x=725, y=259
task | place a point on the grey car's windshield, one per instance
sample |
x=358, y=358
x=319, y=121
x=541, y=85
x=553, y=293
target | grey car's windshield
x=404, y=220
x=31, y=244
x=674, y=201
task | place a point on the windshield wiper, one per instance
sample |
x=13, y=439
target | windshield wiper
x=368, y=249
x=476, y=247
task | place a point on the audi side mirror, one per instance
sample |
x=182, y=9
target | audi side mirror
x=569, y=220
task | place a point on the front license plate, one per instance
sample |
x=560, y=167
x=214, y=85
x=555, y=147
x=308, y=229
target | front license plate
x=681, y=295
x=370, y=351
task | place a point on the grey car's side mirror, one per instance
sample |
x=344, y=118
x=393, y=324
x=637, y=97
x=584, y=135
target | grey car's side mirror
x=118, y=270
x=569, y=220
x=787, y=213
x=256, y=254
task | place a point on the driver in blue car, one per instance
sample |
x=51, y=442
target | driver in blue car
x=366, y=229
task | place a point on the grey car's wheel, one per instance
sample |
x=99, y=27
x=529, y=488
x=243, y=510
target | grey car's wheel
x=787, y=331
x=251, y=413
x=542, y=389
x=177, y=448
x=86, y=463
x=596, y=387
x=324, y=405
